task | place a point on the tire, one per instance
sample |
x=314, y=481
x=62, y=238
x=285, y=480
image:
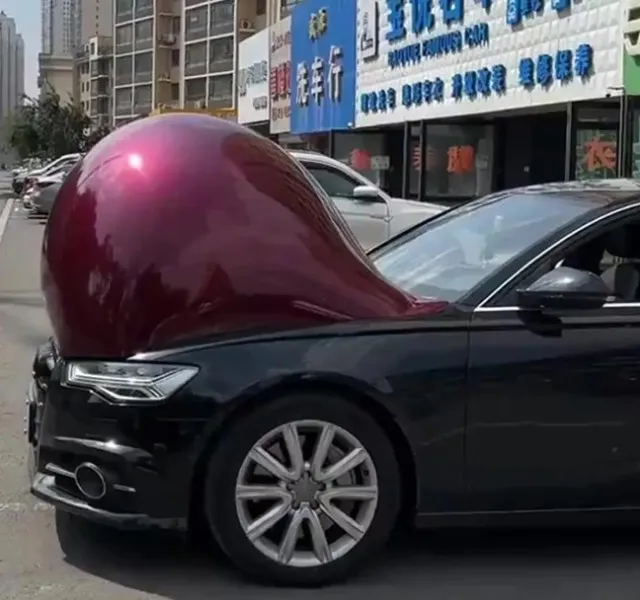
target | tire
x=228, y=458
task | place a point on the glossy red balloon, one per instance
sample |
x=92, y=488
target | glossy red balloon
x=181, y=226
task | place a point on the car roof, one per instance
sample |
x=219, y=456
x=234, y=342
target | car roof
x=600, y=193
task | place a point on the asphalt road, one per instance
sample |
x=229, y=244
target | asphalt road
x=45, y=556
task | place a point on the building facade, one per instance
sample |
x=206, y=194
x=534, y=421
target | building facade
x=147, y=54
x=93, y=80
x=11, y=77
x=253, y=82
x=67, y=27
x=446, y=101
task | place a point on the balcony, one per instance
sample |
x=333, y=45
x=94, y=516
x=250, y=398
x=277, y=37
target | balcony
x=170, y=76
x=99, y=89
x=100, y=69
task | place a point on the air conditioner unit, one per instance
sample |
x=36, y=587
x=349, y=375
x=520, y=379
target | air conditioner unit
x=246, y=25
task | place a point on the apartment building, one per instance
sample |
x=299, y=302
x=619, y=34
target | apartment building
x=67, y=27
x=147, y=44
x=11, y=76
x=93, y=80
x=212, y=31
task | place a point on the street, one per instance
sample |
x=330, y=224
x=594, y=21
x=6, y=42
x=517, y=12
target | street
x=50, y=557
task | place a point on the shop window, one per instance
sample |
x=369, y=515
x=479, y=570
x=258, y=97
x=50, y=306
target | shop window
x=364, y=152
x=458, y=161
x=596, y=153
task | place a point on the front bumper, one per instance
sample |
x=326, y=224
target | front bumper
x=147, y=483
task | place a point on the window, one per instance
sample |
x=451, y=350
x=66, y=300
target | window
x=195, y=23
x=142, y=99
x=124, y=10
x=221, y=91
x=195, y=90
x=124, y=38
x=333, y=182
x=144, y=8
x=124, y=70
x=458, y=161
x=143, y=67
x=449, y=256
x=195, y=59
x=222, y=18
x=175, y=58
x=261, y=7
x=144, y=31
x=221, y=54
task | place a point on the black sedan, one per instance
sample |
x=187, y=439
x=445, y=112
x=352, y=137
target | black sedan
x=505, y=392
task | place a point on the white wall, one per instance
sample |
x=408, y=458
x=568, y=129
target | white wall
x=593, y=22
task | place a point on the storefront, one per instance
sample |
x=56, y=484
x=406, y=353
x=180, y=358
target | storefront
x=323, y=78
x=253, y=82
x=480, y=96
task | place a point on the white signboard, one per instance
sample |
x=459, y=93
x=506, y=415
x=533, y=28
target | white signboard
x=423, y=61
x=280, y=76
x=253, y=78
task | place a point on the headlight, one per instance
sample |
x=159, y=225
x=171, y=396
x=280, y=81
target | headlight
x=129, y=382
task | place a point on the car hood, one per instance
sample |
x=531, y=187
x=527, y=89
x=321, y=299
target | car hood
x=429, y=208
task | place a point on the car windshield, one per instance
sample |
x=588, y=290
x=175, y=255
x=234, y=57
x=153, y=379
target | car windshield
x=449, y=256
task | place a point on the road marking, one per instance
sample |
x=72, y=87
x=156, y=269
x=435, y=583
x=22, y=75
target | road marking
x=4, y=217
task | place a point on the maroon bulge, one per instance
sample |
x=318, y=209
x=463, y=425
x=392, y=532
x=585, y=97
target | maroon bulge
x=182, y=226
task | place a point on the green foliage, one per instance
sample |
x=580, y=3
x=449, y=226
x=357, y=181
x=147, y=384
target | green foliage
x=46, y=128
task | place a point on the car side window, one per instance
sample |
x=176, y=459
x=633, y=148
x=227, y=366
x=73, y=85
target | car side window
x=332, y=181
x=613, y=254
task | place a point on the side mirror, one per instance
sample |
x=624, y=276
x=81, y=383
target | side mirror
x=565, y=288
x=366, y=193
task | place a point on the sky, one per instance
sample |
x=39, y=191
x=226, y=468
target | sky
x=27, y=16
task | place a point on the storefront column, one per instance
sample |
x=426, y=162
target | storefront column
x=422, y=175
x=570, y=142
x=624, y=147
x=331, y=144
x=406, y=160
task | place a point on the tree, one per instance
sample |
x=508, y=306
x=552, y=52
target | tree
x=46, y=128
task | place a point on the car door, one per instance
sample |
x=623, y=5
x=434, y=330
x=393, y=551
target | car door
x=368, y=218
x=553, y=413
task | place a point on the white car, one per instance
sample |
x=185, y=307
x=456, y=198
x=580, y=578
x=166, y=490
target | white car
x=21, y=179
x=373, y=215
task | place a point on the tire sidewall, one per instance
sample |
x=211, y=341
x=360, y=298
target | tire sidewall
x=231, y=451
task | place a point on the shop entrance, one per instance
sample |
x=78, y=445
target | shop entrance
x=531, y=149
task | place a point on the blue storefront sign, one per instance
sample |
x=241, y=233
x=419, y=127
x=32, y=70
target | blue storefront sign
x=323, y=48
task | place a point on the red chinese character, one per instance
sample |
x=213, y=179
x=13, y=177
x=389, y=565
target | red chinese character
x=461, y=159
x=360, y=160
x=273, y=83
x=281, y=81
x=287, y=78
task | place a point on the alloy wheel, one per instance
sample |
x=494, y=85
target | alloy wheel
x=306, y=493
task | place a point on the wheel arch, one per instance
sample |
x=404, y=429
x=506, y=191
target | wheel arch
x=367, y=402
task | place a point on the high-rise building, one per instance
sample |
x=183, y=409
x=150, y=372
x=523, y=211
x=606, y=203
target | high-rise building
x=67, y=26
x=93, y=80
x=11, y=67
x=212, y=31
x=147, y=44
x=11, y=78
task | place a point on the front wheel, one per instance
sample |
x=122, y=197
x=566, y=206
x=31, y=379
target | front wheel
x=303, y=490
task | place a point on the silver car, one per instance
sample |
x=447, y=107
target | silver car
x=372, y=214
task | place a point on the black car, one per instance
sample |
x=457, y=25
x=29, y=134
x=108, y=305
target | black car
x=514, y=401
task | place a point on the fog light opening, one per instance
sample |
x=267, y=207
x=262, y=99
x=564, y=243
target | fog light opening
x=90, y=481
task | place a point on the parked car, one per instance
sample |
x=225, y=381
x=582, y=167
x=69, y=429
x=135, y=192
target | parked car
x=234, y=361
x=23, y=180
x=372, y=214
x=43, y=189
